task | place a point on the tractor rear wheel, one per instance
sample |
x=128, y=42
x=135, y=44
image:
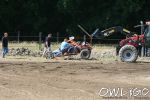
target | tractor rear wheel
x=85, y=54
x=128, y=53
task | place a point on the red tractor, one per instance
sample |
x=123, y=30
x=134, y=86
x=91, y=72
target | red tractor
x=133, y=46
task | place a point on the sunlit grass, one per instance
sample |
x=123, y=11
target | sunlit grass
x=37, y=46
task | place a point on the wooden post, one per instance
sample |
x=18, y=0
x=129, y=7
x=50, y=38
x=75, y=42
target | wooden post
x=40, y=40
x=18, y=38
x=57, y=37
x=84, y=38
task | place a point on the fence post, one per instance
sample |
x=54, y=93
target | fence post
x=84, y=38
x=57, y=37
x=40, y=40
x=18, y=37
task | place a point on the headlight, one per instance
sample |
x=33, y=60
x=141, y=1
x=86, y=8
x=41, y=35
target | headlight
x=130, y=41
x=83, y=43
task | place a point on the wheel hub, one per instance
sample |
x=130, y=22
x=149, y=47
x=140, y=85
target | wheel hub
x=128, y=54
x=85, y=54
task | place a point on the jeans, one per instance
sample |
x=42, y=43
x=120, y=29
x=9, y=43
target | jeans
x=57, y=53
x=4, y=51
x=47, y=50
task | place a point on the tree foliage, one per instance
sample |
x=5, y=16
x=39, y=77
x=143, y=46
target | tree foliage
x=63, y=16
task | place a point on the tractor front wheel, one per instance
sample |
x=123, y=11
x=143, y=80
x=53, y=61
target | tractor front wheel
x=85, y=54
x=128, y=53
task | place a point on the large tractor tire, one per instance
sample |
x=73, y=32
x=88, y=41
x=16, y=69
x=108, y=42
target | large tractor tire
x=85, y=54
x=128, y=53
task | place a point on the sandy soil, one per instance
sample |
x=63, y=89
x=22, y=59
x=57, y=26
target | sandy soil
x=69, y=80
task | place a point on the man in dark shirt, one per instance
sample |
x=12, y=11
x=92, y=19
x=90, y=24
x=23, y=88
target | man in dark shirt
x=5, y=45
x=47, y=44
x=48, y=41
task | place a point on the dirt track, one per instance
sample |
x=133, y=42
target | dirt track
x=68, y=80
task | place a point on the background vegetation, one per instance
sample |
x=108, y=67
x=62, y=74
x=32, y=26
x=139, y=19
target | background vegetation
x=33, y=16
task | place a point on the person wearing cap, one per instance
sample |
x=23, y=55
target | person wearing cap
x=72, y=42
x=4, y=45
x=47, y=44
x=75, y=47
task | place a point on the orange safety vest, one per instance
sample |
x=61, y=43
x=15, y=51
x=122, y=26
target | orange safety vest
x=73, y=43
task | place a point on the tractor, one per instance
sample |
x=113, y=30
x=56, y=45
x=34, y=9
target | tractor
x=83, y=49
x=133, y=46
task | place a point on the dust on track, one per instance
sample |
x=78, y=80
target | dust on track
x=68, y=80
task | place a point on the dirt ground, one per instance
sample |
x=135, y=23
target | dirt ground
x=70, y=80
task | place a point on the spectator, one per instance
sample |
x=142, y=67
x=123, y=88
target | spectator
x=5, y=44
x=47, y=44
